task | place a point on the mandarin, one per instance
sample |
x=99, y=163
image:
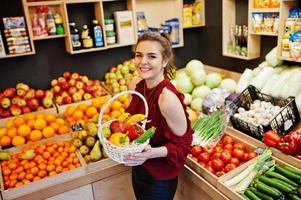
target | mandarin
x=91, y=111
x=40, y=124
x=63, y=129
x=5, y=141
x=96, y=102
x=18, y=140
x=12, y=132
x=35, y=135
x=3, y=131
x=18, y=121
x=24, y=130
x=49, y=118
x=82, y=107
x=48, y=132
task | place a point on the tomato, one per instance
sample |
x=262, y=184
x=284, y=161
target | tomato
x=239, y=145
x=218, y=149
x=219, y=173
x=246, y=157
x=216, y=155
x=228, y=147
x=252, y=155
x=217, y=164
x=209, y=150
x=227, y=140
x=235, y=161
x=229, y=167
x=209, y=163
x=196, y=151
x=226, y=156
x=210, y=169
x=238, y=153
x=203, y=157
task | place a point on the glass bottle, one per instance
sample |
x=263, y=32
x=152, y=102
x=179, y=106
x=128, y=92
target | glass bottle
x=76, y=44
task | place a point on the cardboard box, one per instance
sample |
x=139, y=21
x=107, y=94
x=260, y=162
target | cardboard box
x=125, y=27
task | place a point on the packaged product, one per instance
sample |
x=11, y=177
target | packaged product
x=174, y=35
x=274, y=3
x=290, y=26
x=2, y=50
x=257, y=21
x=19, y=49
x=268, y=22
x=198, y=14
x=187, y=15
x=17, y=32
x=124, y=27
x=17, y=40
x=261, y=3
x=141, y=22
x=13, y=22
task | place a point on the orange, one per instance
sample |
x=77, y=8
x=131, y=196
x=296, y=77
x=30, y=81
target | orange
x=126, y=103
x=12, y=165
x=78, y=114
x=54, y=125
x=123, y=98
x=12, y=132
x=63, y=129
x=115, y=114
x=49, y=118
x=82, y=107
x=19, y=184
x=96, y=102
x=40, y=124
x=5, y=141
x=30, y=123
x=3, y=131
x=115, y=105
x=21, y=175
x=107, y=110
x=34, y=170
x=42, y=173
x=26, y=181
x=40, y=116
x=18, y=140
x=9, y=123
x=122, y=110
x=75, y=160
x=50, y=168
x=69, y=111
x=35, y=135
x=20, y=169
x=59, y=169
x=29, y=177
x=91, y=111
x=24, y=130
x=52, y=173
x=7, y=171
x=42, y=166
x=104, y=99
x=29, y=116
x=12, y=183
x=46, y=155
x=18, y=121
x=36, y=178
x=60, y=121
x=50, y=149
x=72, y=149
x=48, y=132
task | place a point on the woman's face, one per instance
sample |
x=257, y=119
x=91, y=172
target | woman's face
x=149, y=60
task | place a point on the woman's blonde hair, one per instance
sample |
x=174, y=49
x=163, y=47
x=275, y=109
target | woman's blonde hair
x=167, y=52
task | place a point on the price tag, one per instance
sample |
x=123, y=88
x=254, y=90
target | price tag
x=259, y=150
x=288, y=124
x=77, y=127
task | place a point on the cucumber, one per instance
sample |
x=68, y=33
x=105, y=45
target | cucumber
x=284, y=183
x=251, y=195
x=294, y=197
x=275, y=184
x=280, y=177
x=146, y=135
x=274, y=193
x=299, y=192
x=260, y=194
x=287, y=173
x=293, y=170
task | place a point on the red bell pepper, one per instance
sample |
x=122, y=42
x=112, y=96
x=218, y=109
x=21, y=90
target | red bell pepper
x=298, y=156
x=283, y=146
x=271, y=138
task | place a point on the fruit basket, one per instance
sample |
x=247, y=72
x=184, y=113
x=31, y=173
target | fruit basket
x=115, y=152
x=281, y=122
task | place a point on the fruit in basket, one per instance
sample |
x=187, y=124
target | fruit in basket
x=134, y=131
x=119, y=139
x=134, y=119
x=117, y=126
x=146, y=135
x=95, y=153
x=106, y=132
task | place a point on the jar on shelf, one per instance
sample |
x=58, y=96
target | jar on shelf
x=111, y=37
x=109, y=24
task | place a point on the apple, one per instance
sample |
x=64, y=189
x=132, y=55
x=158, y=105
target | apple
x=81, y=91
x=75, y=76
x=1, y=95
x=72, y=82
x=77, y=97
x=61, y=79
x=72, y=90
x=112, y=75
x=47, y=102
x=119, y=76
x=112, y=81
x=64, y=94
x=33, y=104
x=107, y=75
x=21, y=103
x=116, y=90
x=48, y=94
x=66, y=75
x=26, y=109
x=119, y=67
x=79, y=85
x=89, y=89
x=21, y=92
x=59, y=100
x=15, y=99
x=122, y=81
x=67, y=100
x=85, y=79
x=90, y=83
x=30, y=94
x=123, y=88
x=56, y=89
x=40, y=94
x=128, y=76
x=87, y=96
x=117, y=126
x=54, y=82
x=132, y=67
x=97, y=93
x=22, y=86
x=115, y=85
x=9, y=92
x=97, y=82
x=113, y=69
x=64, y=85
x=127, y=62
x=5, y=113
x=5, y=102
x=136, y=73
x=15, y=110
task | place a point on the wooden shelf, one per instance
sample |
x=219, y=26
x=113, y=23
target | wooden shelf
x=82, y=1
x=265, y=10
x=49, y=37
x=43, y=3
x=18, y=55
x=117, y=45
x=264, y=33
x=88, y=50
x=194, y=26
x=239, y=57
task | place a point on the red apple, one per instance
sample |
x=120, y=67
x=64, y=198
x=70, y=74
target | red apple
x=72, y=90
x=72, y=82
x=77, y=97
x=30, y=94
x=22, y=86
x=33, y=104
x=15, y=99
x=97, y=93
x=59, y=100
x=9, y=92
x=15, y=110
x=1, y=95
x=90, y=83
x=117, y=126
x=26, y=109
x=21, y=103
x=21, y=92
x=64, y=85
x=75, y=76
x=48, y=94
x=40, y=94
x=56, y=89
x=96, y=82
x=79, y=85
x=54, y=82
x=87, y=96
x=89, y=89
x=64, y=94
x=66, y=75
x=4, y=113
x=5, y=102
x=85, y=79
x=67, y=100
x=113, y=69
x=81, y=91
x=61, y=79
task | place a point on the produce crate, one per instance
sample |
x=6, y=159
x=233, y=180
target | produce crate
x=228, y=191
x=282, y=123
x=45, y=182
x=202, y=171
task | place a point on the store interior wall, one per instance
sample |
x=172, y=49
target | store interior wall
x=51, y=58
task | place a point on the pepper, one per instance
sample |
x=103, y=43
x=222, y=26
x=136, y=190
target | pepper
x=283, y=146
x=293, y=147
x=299, y=144
x=271, y=138
x=293, y=135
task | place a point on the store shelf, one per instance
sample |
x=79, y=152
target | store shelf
x=82, y=1
x=290, y=59
x=18, y=55
x=117, y=45
x=264, y=33
x=265, y=10
x=43, y=3
x=49, y=37
x=87, y=50
x=194, y=26
x=240, y=57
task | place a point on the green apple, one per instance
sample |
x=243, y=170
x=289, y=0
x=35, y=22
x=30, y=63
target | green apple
x=106, y=132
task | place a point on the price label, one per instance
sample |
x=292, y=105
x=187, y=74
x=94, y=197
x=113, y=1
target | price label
x=77, y=127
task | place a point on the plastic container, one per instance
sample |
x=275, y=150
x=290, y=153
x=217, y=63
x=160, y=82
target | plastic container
x=109, y=24
x=282, y=123
x=111, y=37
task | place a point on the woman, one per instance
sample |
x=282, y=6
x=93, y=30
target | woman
x=156, y=169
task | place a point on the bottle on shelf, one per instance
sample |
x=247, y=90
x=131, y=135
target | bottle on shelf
x=76, y=43
x=50, y=23
x=97, y=34
x=59, y=24
x=86, y=39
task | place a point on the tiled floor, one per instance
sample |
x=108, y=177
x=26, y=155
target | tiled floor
x=81, y=193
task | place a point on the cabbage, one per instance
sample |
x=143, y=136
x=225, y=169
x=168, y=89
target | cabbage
x=187, y=99
x=228, y=84
x=213, y=80
x=272, y=58
x=198, y=77
x=184, y=83
x=201, y=91
x=193, y=66
x=196, y=104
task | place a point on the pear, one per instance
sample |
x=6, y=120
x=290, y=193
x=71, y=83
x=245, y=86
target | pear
x=82, y=135
x=77, y=142
x=28, y=155
x=95, y=153
x=4, y=156
x=90, y=141
x=105, y=155
x=87, y=158
x=74, y=134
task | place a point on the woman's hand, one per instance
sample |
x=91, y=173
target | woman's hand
x=138, y=158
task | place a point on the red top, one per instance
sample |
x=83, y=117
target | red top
x=178, y=147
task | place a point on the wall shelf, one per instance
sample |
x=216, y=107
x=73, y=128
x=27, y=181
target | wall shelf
x=194, y=26
x=264, y=33
x=240, y=57
x=49, y=37
x=264, y=10
x=43, y=3
x=18, y=55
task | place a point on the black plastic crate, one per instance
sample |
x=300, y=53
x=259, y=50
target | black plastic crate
x=282, y=123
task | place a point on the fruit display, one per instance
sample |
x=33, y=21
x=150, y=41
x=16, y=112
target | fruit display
x=118, y=77
x=23, y=99
x=224, y=157
x=73, y=87
x=31, y=127
x=39, y=161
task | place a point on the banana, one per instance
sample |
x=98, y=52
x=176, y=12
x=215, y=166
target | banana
x=134, y=119
x=123, y=117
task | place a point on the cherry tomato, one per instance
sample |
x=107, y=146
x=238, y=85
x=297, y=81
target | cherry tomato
x=226, y=156
x=216, y=155
x=209, y=163
x=203, y=157
x=238, y=153
x=219, y=173
x=209, y=150
x=227, y=140
x=252, y=155
x=229, y=167
x=218, y=149
x=210, y=169
x=228, y=147
x=239, y=145
x=217, y=164
x=235, y=161
x=196, y=151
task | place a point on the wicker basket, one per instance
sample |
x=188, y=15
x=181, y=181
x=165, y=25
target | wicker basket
x=116, y=153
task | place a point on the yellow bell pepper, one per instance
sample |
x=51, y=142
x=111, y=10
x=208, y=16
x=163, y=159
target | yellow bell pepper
x=119, y=139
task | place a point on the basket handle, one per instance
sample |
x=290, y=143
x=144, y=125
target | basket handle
x=104, y=107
